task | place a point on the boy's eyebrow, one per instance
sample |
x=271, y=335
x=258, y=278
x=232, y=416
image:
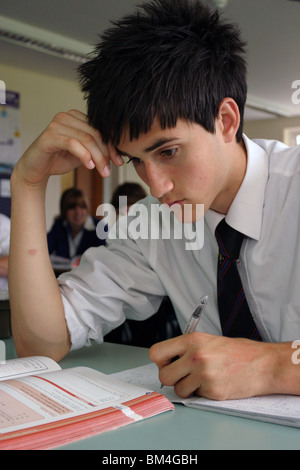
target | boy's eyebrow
x=156, y=145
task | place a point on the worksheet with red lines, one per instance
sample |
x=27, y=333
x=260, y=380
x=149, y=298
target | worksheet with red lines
x=34, y=400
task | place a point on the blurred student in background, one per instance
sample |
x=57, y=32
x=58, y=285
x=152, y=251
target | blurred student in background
x=74, y=230
x=134, y=192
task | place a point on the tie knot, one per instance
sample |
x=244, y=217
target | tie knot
x=229, y=240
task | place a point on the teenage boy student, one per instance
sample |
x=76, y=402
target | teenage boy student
x=167, y=88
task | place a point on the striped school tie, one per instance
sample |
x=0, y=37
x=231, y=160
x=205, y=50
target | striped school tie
x=235, y=315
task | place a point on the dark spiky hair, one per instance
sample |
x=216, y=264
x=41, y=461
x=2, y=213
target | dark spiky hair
x=172, y=59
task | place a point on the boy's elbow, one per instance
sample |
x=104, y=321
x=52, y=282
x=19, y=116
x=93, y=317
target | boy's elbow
x=29, y=348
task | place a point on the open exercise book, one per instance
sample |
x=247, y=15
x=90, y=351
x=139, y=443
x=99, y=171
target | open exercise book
x=279, y=409
x=43, y=406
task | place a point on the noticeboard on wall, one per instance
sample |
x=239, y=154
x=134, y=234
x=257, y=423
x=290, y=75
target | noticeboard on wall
x=5, y=201
x=10, y=134
x=10, y=142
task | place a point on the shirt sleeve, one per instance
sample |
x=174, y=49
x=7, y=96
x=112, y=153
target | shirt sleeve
x=111, y=284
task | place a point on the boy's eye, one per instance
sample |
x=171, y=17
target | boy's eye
x=135, y=161
x=169, y=152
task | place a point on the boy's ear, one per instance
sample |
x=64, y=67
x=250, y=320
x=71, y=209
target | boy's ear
x=228, y=119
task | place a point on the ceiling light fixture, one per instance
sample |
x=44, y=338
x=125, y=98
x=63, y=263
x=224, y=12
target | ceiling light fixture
x=220, y=3
x=267, y=107
x=43, y=41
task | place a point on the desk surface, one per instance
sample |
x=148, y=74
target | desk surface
x=181, y=429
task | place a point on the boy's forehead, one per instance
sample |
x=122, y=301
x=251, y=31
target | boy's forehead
x=156, y=136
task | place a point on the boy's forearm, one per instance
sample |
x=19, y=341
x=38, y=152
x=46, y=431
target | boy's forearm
x=37, y=312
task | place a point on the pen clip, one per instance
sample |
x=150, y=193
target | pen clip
x=201, y=307
x=193, y=322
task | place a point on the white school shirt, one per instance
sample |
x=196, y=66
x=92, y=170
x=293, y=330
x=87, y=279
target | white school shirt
x=4, y=245
x=128, y=278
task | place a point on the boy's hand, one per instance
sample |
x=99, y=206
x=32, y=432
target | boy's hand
x=66, y=143
x=216, y=367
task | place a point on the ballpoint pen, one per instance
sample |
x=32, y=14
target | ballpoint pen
x=194, y=320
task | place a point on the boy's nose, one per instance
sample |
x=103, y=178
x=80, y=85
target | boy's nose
x=158, y=180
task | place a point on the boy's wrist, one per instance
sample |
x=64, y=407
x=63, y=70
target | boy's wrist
x=18, y=181
x=284, y=375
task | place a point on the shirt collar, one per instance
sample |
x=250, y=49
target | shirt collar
x=89, y=223
x=245, y=212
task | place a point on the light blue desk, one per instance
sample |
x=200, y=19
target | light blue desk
x=181, y=429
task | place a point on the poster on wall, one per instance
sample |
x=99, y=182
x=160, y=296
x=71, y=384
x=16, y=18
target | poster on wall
x=10, y=135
